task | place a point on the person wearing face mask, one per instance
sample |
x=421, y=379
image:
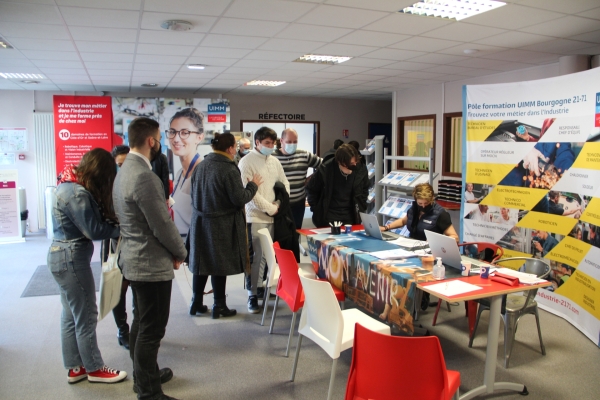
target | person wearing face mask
x=244, y=148
x=334, y=192
x=263, y=207
x=425, y=214
x=295, y=163
x=185, y=134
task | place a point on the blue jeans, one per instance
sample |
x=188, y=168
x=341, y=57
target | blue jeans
x=69, y=264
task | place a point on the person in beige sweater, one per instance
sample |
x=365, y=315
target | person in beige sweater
x=262, y=208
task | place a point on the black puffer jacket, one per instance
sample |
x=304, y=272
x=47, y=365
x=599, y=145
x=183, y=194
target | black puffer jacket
x=283, y=222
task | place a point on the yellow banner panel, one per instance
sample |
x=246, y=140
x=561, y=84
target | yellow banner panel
x=584, y=291
x=592, y=212
x=514, y=197
x=548, y=222
x=478, y=131
x=514, y=264
x=487, y=173
x=569, y=251
x=589, y=157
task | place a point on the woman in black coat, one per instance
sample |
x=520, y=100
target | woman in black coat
x=218, y=243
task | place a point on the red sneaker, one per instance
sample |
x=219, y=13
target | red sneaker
x=106, y=375
x=76, y=374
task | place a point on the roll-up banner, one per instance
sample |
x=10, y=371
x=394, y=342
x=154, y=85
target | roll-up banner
x=531, y=182
x=81, y=123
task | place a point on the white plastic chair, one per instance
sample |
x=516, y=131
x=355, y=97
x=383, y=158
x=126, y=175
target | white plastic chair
x=270, y=284
x=327, y=325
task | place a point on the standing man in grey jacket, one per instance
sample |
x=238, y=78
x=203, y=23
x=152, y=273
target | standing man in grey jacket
x=151, y=248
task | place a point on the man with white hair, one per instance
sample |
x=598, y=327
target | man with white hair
x=244, y=148
x=295, y=163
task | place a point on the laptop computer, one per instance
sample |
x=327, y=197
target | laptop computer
x=372, y=228
x=447, y=248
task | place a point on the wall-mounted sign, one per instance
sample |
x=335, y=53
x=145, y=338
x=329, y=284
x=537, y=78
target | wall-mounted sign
x=13, y=139
x=286, y=117
x=10, y=226
x=81, y=123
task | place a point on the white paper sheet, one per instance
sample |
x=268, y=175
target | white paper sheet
x=453, y=287
x=524, y=277
x=394, y=254
x=321, y=230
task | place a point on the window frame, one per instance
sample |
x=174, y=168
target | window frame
x=400, y=140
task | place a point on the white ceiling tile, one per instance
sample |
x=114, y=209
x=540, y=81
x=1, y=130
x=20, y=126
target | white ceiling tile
x=154, y=59
x=212, y=61
x=152, y=21
x=234, y=26
x=156, y=67
x=302, y=67
x=593, y=37
x=112, y=88
x=511, y=65
x=595, y=13
x=406, y=24
x=10, y=30
x=341, y=17
x=346, y=69
x=9, y=85
x=379, y=5
x=367, y=62
x=112, y=57
x=42, y=44
x=288, y=74
x=114, y=4
x=238, y=70
x=361, y=78
x=299, y=46
x=397, y=79
x=50, y=55
x=564, y=27
x=232, y=41
x=463, y=32
x=337, y=49
x=72, y=78
x=419, y=43
x=58, y=64
x=394, y=54
x=477, y=63
x=268, y=10
x=63, y=71
x=29, y=13
x=100, y=18
x=105, y=47
x=220, y=52
x=481, y=49
x=153, y=74
x=449, y=69
x=109, y=72
x=511, y=39
x=272, y=55
x=422, y=75
x=558, y=46
x=109, y=65
x=110, y=80
x=407, y=66
x=197, y=7
x=170, y=37
x=75, y=88
x=103, y=34
x=17, y=62
x=164, y=50
x=371, y=38
x=11, y=54
x=437, y=58
x=330, y=75
x=312, y=32
x=258, y=64
x=513, y=16
x=522, y=56
x=383, y=72
x=568, y=7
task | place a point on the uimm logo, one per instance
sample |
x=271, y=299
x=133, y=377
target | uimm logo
x=597, y=116
x=217, y=112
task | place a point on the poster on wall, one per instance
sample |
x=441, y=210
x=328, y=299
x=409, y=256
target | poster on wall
x=187, y=127
x=13, y=139
x=10, y=221
x=532, y=183
x=81, y=123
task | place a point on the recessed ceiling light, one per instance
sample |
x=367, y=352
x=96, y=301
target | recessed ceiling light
x=196, y=66
x=470, y=51
x=451, y=9
x=149, y=84
x=322, y=59
x=17, y=75
x=31, y=82
x=264, y=83
x=177, y=25
x=4, y=44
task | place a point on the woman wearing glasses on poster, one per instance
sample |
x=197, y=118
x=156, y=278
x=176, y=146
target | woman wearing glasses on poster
x=185, y=133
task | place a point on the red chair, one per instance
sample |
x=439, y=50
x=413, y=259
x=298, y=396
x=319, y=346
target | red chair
x=471, y=307
x=398, y=367
x=290, y=290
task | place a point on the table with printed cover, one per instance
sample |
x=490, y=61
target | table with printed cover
x=385, y=289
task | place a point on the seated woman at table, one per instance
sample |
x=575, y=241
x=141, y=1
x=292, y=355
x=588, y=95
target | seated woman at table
x=425, y=214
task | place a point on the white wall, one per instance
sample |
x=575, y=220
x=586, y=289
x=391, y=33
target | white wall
x=333, y=114
x=447, y=98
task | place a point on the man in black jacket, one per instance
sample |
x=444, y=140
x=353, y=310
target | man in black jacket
x=334, y=192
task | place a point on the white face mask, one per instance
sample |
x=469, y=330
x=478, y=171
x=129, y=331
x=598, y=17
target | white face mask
x=290, y=148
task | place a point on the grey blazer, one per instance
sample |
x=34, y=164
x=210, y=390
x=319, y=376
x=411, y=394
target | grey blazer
x=150, y=239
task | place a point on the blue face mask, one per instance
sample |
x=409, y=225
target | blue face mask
x=290, y=148
x=266, y=151
x=245, y=151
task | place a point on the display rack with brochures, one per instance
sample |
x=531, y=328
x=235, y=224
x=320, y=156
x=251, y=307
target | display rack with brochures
x=369, y=154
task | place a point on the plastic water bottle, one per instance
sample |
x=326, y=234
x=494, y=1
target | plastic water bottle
x=439, y=271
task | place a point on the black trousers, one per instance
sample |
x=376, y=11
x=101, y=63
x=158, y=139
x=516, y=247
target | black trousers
x=218, y=285
x=150, y=316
